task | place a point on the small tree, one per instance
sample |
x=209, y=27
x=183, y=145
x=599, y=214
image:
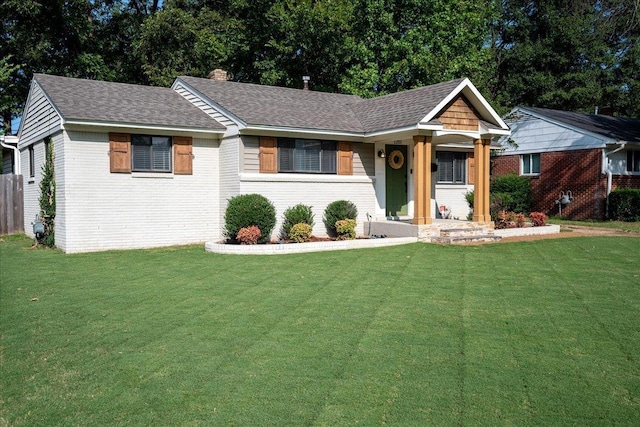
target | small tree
x=48, y=197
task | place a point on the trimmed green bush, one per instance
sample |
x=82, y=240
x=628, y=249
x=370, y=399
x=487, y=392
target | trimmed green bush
x=335, y=211
x=298, y=214
x=624, y=204
x=300, y=232
x=246, y=210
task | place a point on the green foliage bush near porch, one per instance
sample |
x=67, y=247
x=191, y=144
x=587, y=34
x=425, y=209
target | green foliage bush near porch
x=510, y=193
x=336, y=211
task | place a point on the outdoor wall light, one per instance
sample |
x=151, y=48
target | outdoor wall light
x=381, y=154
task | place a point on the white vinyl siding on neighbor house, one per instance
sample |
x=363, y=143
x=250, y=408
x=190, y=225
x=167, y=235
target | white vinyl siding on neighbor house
x=125, y=211
x=535, y=135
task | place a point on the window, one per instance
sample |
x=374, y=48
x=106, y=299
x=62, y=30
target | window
x=307, y=156
x=32, y=162
x=150, y=153
x=451, y=167
x=531, y=164
x=633, y=161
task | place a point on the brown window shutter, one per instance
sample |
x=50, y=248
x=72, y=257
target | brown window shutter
x=268, y=155
x=345, y=158
x=120, y=152
x=471, y=168
x=182, y=155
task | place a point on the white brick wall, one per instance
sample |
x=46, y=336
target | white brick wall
x=98, y=210
x=287, y=190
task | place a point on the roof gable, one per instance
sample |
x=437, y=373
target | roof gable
x=93, y=101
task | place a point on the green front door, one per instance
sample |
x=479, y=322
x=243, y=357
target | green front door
x=396, y=183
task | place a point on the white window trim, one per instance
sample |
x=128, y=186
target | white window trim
x=522, y=172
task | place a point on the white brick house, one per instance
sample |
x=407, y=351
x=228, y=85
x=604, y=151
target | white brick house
x=140, y=166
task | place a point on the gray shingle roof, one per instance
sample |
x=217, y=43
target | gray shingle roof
x=100, y=101
x=261, y=105
x=296, y=108
x=402, y=109
x=613, y=127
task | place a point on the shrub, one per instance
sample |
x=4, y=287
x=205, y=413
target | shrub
x=624, y=204
x=506, y=219
x=248, y=235
x=538, y=219
x=246, y=210
x=346, y=229
x=335, y=211
x=299, y=214
x=48, y=198
x=300, y=232
x=514, y=191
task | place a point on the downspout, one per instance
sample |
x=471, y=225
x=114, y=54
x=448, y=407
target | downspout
x=16, y=157
x=610, y=174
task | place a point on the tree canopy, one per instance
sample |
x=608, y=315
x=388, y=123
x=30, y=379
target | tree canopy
x=570, y=55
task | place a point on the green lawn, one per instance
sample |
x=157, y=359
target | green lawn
x=532, y=333
x=629, y=227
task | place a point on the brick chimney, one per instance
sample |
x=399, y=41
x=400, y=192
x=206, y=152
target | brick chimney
x=218, y=74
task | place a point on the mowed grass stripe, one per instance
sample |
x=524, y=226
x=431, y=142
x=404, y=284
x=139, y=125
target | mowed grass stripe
x=530, y=333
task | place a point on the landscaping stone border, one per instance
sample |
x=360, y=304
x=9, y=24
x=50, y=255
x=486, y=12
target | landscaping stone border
x=527, y=231
x=295, y=248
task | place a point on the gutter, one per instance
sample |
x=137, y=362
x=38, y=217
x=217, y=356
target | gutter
x=16, y=155
x=609, y=173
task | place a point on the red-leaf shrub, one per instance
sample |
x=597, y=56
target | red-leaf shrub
x=538, y=219
x=249, y=235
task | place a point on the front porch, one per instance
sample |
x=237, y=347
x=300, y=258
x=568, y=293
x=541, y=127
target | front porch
x=438, y=231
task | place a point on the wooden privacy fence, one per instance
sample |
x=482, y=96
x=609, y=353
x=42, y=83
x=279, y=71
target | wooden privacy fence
x=11, y=205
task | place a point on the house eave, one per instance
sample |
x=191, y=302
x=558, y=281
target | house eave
x=127, y=127
x=258, y=130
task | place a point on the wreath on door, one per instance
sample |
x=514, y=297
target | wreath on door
x=396, y=159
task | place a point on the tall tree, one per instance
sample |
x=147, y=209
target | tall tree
x=76, y=38
x=564, y=55
x=400, y=44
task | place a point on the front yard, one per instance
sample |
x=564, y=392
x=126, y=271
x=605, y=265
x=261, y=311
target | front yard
x=528, y=333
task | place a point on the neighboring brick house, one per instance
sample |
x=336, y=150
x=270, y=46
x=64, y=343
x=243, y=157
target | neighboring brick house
x=581, y=156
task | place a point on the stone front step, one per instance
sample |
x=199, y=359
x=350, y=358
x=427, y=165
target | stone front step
x=461, y=232
x=471, y=238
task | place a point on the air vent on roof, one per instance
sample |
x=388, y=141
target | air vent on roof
x=305, y=80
